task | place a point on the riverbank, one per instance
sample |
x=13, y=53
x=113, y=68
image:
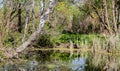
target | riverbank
x=109, y=43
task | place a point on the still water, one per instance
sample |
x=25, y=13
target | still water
x=77, y=64
x=64, y=61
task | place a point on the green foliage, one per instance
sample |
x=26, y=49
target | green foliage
x=12, y=39
x=62, y=56
x=67, y=9
x=97, y=3
x=23, y=1
x=43, y=40
x=80, y=38
x=2, y=55
x=8, y=41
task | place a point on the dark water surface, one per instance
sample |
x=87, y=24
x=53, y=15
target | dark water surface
x=64, y=61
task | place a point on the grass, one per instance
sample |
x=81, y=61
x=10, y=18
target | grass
x=96, y=41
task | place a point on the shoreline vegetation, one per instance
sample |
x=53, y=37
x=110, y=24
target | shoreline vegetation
x=71, y=42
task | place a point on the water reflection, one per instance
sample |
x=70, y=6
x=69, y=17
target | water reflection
x=33, y=65
x=78, y=64
x=9, y=67
x=56, y=61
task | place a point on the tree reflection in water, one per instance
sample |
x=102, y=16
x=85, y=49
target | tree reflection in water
x=56, y=61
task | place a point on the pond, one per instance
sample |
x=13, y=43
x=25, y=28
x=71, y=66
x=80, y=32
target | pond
x=64, y=60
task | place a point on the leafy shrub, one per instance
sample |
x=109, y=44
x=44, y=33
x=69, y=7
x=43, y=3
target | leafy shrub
x=8, y=41
x=43, y=40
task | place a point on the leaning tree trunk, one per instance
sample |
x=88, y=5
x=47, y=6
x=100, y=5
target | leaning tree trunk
x=43, y=19
x=26, y=24
x=42, y=7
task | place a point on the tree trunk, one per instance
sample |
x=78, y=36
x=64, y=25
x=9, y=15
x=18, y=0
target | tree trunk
x=1, y=45
x=33, y=14
x=106, y=15
x=114, y=16
x=118, y=16
x=43, y=19
x=42, y=7
x=100, y=17
x=26, y=23
x=118, y=4
x=19, y=18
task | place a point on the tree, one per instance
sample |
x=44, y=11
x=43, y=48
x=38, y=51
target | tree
x=114, y=15
x=21, y=11
x=117, y=5
x=43, y=19
x=106, y=15
x=19, y=16
x=102, y=9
